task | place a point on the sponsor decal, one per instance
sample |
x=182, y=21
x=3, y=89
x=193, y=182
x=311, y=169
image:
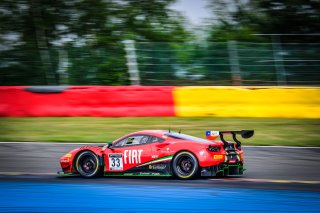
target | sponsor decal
x=149, y=174
x=163, y=159
x=69, y=155
x=217, y=157
x=211, y=135
x=132, y=156
x=166, y=151
x=155, y=174
x=115, y=162
x=158, y=166
x=65, y=160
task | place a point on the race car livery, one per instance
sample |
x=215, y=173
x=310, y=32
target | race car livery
x=159, y=153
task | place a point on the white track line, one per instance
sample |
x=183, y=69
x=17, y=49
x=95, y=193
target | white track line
x=217, y=180
x=53, y=143
x=290, y=147
x=267, y=180
x=25, y=173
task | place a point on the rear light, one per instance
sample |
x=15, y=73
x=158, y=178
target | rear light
x=214, y=148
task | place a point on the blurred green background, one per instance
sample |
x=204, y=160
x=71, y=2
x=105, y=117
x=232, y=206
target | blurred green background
x=81, y=42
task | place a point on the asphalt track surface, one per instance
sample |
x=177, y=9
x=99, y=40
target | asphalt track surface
x=277, y=179
x=273, y=163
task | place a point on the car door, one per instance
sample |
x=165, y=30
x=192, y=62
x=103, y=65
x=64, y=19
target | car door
x=159, y=147
x=128, y=153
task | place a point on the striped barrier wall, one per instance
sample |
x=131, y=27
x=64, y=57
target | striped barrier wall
x=100, y=101
x=121, y=101
x=282, y=102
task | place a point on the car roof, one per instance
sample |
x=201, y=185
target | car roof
x=158, y=133
x=178, y=135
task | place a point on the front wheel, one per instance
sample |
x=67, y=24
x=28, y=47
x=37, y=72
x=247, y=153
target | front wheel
x=185, y=165
x=87, y=164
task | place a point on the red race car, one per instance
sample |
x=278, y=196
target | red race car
x=159, y=153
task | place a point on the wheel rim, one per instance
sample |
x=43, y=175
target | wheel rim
x=185, y=165
x=87, y=165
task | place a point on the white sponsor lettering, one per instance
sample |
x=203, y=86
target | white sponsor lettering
x=132, y=156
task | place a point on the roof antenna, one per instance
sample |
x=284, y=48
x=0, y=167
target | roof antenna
x=169, y=130
x=179, y=131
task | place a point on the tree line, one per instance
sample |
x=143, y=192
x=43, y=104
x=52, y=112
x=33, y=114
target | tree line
x=39, y=39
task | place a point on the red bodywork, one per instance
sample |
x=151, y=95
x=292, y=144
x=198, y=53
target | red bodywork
x=163, y=151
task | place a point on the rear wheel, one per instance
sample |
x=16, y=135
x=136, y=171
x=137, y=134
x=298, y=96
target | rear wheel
x=87, y=164
x=185, y=165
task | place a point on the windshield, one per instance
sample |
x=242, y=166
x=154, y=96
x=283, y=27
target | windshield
x=186, y=137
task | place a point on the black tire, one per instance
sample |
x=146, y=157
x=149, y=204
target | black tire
x=185, y=165
x=87, y=164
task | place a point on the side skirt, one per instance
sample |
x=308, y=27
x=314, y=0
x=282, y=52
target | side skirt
x=138, y=174
x=151, y=169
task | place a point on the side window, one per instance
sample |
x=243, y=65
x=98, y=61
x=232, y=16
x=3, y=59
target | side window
x=144, y=139
x=156, y=139
x=121, y=143
x=133, y=140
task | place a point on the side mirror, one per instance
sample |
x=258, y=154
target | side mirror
x=107, y=146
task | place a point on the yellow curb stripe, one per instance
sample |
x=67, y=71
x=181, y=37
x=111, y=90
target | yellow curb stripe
x=266, y=180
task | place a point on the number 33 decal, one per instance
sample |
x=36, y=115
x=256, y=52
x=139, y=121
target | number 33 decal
x=115, y=162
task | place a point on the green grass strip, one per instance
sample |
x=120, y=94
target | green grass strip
x=268, y=131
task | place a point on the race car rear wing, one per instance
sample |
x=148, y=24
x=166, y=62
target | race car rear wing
x=211, y=135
